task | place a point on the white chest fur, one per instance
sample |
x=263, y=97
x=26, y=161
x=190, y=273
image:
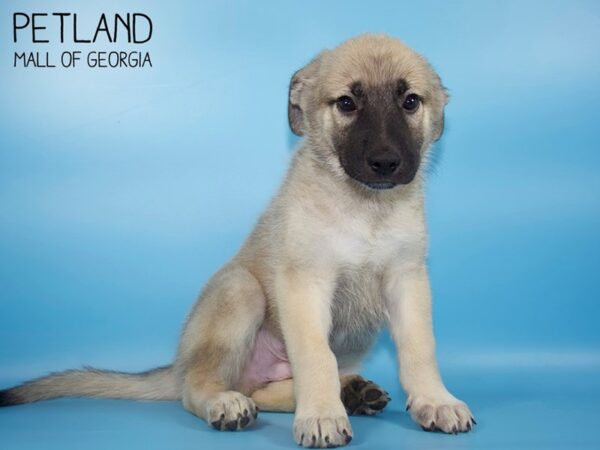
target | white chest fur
x=359, y=239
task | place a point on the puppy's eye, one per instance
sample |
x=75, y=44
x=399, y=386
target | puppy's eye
x=411, y=102
x=346, y=104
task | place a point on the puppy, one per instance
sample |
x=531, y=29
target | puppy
x=339, y=253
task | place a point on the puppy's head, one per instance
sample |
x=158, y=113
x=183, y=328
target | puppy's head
x=370, y=108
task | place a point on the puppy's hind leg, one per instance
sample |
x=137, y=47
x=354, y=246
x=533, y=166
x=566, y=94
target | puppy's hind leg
x=277, y=396
x=215, y=345
x=359, y=396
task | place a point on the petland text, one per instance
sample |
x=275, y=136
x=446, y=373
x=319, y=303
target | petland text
x=129, y=29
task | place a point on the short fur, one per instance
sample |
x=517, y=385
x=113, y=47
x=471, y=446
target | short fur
x=333, y=259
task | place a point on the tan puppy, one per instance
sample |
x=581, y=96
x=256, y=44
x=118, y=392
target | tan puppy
x=339, y=253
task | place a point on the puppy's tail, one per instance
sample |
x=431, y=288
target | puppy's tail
x=155, y=384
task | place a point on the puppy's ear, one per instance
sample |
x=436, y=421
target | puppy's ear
x=438, y=117
x=302, y=81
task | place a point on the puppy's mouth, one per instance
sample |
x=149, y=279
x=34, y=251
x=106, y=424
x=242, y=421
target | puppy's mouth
x=380, y=186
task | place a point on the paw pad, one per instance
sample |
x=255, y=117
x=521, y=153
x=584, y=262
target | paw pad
x=362, y=396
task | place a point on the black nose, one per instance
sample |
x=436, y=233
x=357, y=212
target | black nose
x=385, y=164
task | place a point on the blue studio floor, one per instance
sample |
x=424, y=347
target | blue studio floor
x=527, y=406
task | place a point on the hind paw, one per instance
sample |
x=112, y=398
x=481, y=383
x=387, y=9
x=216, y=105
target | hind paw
x=364, y=397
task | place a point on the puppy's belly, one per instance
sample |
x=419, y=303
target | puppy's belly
x=268, y=362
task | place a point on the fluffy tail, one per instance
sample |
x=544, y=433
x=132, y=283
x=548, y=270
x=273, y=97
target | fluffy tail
x=155, y=384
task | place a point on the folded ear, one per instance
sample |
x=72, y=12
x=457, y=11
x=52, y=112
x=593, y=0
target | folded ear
x=438, y=116
x=302, y=81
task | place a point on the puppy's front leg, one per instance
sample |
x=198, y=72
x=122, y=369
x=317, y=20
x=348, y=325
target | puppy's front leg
x=304, y=303
x=409, y=305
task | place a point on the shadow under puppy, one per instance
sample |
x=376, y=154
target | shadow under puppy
x=339, y=253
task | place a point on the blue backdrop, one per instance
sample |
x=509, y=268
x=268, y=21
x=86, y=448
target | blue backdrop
x=123, y=190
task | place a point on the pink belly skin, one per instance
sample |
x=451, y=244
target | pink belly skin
x=268, y=362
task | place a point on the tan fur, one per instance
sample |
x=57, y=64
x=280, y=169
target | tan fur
x=279, y=395
x=329, y=263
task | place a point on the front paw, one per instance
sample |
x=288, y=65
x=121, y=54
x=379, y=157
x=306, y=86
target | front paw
x=225, y=411
x=442, y=412
x=322, y=432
